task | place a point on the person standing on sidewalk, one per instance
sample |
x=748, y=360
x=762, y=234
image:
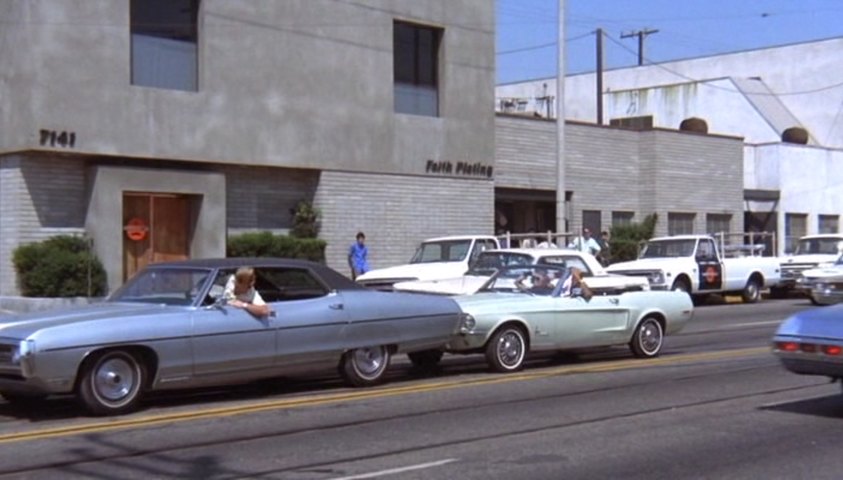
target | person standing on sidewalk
x=358, y=256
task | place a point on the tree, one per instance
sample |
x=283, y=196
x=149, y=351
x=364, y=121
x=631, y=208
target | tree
x=627, y=239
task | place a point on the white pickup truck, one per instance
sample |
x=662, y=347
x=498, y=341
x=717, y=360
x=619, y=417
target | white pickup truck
x=812, y=251
x=435, y=259
x=692, y=263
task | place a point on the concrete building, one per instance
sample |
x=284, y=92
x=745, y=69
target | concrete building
x=184, y=121
x=792, y=189
x=615, y=176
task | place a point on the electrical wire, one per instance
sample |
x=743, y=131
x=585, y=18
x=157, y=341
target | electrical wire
x=544, y=45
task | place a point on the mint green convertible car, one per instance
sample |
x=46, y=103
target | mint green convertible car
x=541, y=308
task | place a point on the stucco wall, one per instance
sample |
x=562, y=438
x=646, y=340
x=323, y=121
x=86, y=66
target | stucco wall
x=396, y=212
x=298, y=83
x=810, y=180
x=788, y=70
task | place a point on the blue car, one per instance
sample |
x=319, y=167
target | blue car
x=811, y=342
x=172, y=326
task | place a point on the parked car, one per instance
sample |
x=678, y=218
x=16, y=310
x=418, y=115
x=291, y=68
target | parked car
x=811, y=342
x=693, y=264
x=491, y=261
x=169, y=327
x=509, y=317
x=811, y=251
x=824, y=285
x=436, y=258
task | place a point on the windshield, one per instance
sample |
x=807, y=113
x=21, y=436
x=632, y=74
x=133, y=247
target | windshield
x=170, y=286
x=533, y=280
x=444, y=251
x=490, y=262
x=669, y=248
x=825, y=246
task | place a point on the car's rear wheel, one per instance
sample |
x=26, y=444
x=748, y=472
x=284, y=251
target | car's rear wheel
x=111, y=383
x=363, y=367
x=426, y=359
x=648, y=338
x=813, y=300
x=506, y=349
x=752, y=291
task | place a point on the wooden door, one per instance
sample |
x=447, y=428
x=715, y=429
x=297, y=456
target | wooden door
x=155, y=229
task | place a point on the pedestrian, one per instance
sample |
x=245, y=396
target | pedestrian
x=530, y=242
x=358, y=256
x=584, y=243
x=604, y=256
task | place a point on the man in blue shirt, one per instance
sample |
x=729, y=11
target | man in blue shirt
x=358, y=256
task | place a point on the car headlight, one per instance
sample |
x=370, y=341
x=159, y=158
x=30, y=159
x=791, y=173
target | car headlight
x=656, y=277
x=24, y=350
x=467, y=323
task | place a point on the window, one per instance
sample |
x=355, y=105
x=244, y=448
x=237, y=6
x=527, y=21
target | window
x=795, y=227
x=622, y=219
x=680, y=223
x=567, y=261
x=591, y=221
x=829, y=224
x=164, y=35
x=715, y=223
x=416, y=60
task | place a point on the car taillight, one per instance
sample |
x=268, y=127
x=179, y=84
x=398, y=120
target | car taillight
x=808, y=348
x=787, y=346
x=832, y=349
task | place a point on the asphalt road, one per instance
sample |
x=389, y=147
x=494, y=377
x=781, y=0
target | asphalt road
x=716, y=404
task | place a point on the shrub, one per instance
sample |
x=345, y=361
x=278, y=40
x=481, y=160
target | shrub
x=626, y=239
x=265, y=244
x=59, y=267
x=305, y=220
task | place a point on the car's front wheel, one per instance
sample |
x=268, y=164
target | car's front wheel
x=648, y=338
x=506, y=349
x=111, y=383
x=363, y=367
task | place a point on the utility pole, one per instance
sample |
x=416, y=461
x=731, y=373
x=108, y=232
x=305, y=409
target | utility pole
x=641, y=34
x=599, y=76
x=561, y=210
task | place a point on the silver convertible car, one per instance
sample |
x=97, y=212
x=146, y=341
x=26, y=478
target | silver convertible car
x=169, y=327
x=524, y=309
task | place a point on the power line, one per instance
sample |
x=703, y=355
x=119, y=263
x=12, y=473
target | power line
x=543, y=45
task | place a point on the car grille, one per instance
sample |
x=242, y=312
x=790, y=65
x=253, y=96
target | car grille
x=795, y=269
x=6, y=353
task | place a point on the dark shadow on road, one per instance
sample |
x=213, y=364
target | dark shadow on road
x=826, y=407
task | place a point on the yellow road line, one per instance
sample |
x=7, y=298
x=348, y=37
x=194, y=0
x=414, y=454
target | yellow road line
x=316, y=400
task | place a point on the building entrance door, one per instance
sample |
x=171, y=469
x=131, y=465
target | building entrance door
x=156, y=228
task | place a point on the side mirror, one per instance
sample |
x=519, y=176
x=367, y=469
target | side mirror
x=219, y=302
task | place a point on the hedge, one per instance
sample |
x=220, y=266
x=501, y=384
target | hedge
x=265, y=244
x=627, y=239
x=59, y=267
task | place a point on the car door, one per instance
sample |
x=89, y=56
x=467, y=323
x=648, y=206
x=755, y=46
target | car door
x=227, y=339
x=709, y=267
x=587, y=323
x=311, y=319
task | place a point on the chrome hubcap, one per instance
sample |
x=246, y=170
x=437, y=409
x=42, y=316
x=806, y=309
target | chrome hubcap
x=369, y=361
x=115, y=379
x=650, y=337
x=510, y=349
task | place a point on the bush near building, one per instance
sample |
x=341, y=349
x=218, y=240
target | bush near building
x=265, y=244
x=61, y=266
x=627, y=239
